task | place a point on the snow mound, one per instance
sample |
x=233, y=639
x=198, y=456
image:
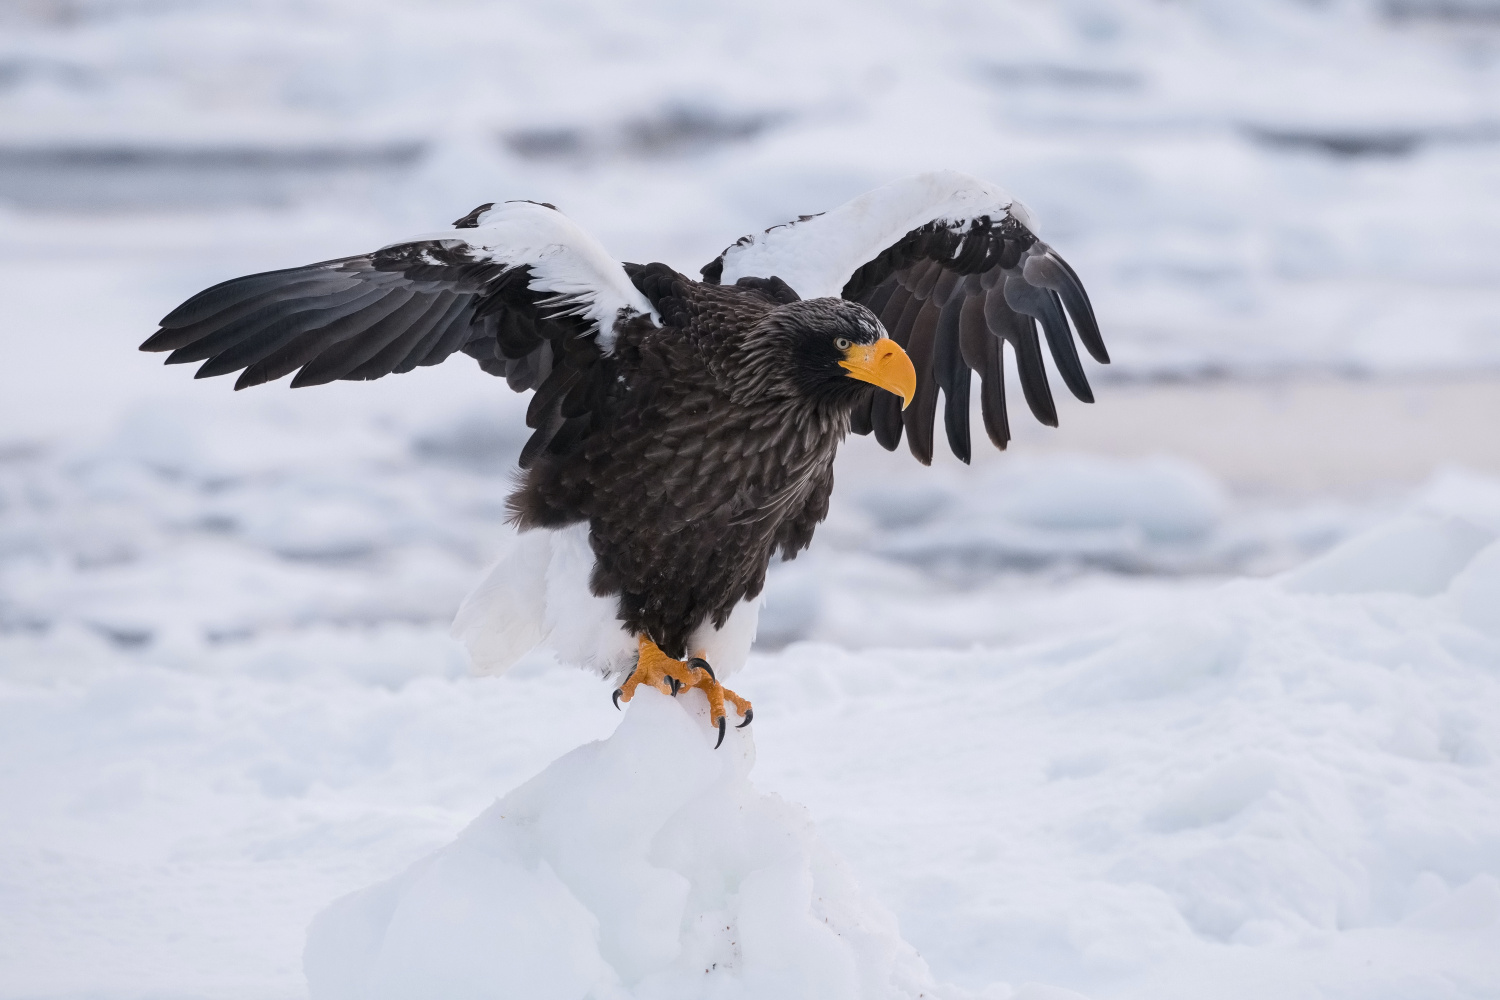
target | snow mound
x=644, y=865
x=1419, y=554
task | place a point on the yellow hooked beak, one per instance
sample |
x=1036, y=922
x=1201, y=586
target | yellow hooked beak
x=885, y=364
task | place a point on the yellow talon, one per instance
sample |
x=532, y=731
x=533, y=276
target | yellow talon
x=654, y=667
x=670, y=675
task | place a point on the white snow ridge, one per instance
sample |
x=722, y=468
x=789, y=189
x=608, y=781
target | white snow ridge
x=645, y=865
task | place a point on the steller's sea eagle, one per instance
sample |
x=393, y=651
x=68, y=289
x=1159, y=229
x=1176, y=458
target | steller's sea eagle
x=684, y=431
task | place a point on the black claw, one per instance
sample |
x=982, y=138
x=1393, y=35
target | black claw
x=749, y=714
x=676, y=685
x=616, y=698
x=699, y=663
x=722, y=730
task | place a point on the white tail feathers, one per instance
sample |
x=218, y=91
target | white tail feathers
x=537, y=593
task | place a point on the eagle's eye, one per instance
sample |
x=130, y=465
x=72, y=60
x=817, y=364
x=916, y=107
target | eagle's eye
x=842, y=343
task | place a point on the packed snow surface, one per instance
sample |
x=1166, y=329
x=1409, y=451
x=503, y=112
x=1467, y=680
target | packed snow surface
x=645, y=865
x=227, y=698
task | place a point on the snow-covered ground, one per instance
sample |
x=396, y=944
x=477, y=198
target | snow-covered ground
x=1052, y=733
x=1194, y=696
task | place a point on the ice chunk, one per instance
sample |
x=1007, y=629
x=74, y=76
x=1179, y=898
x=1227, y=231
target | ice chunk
x=1474, y=904
x=1457, y=492
x=1164, y=498
x=1476, y=591
x=1418, y=554
x=1221, y=794
x=645, y=865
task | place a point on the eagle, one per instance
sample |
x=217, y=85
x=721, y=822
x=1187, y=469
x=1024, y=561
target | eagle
x=683, y=431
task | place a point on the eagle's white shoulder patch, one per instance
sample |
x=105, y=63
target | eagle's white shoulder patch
x=818, y=254
x=569, y=265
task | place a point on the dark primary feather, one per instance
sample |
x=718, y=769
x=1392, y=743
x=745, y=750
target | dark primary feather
x=388, y=312
x=952, y=296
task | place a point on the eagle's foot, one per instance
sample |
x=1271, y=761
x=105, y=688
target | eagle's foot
x=657, y=669
x=669, y=676
x=717, y=695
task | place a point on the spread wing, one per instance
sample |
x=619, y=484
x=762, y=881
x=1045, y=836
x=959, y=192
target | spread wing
x=954, y=270
x=518, y=287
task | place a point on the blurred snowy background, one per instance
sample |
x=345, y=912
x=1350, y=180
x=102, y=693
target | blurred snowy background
x=1061, y=711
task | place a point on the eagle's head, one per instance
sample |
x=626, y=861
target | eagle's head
x=825, y=350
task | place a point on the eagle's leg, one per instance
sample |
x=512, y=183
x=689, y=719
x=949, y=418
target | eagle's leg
x=657, y=669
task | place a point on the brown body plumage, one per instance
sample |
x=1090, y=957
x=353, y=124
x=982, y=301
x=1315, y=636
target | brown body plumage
x=691, y=484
